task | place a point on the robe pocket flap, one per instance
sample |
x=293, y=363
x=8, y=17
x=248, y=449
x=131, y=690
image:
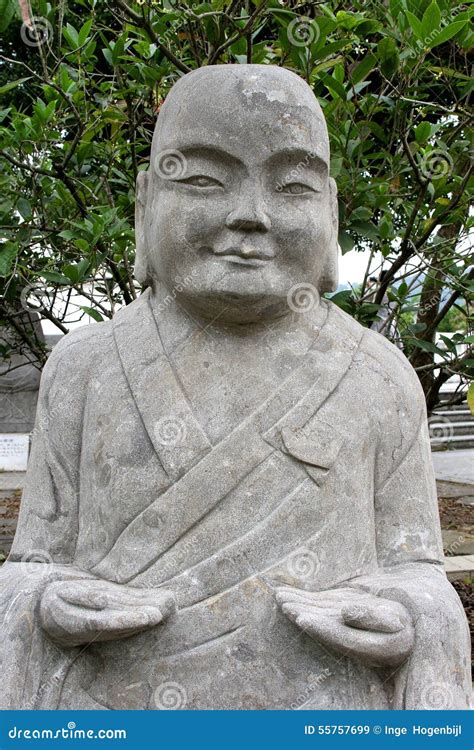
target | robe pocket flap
x=315, y=444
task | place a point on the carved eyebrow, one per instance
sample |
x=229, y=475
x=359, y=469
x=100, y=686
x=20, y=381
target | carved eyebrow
x=209, y=152
x=308, y=159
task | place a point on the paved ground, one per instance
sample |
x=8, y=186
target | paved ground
x=454, y=466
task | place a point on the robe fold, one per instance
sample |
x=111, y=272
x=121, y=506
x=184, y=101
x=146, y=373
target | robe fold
x=312, y=490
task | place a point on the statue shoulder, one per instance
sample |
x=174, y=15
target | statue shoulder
x=78, y=351
x=383, y=374
x=394, y=368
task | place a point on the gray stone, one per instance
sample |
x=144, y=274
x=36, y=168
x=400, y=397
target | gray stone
x=19, y=382
x=230, y=501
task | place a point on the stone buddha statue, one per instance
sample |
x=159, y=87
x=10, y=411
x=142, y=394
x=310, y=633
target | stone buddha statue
x=230, y=501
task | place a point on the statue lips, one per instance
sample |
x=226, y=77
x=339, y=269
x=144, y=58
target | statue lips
x=245, y=255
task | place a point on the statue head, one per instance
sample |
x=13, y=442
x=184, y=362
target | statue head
x=237, y=206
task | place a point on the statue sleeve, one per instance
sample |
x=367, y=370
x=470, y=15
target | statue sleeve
x=44, y=545
x=48, y=521
x=410, y=556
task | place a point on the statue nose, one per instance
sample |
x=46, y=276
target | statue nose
x=249, y=215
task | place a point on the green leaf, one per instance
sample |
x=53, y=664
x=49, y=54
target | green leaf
x=24, y=208
x=363, y=68
x=422, y=132
x=8, y=253
x=387, y=52
x=54, y=277
x=428, y=346
x=447, y=33
x=95, y=314
x=431, y=20
x=415, y=24
x=76, y=272
x=334, y=86
x=345, y=241
x=71, y=36
x=13, y=85
x=470, y=396
x=84, y=32
x=8, y=9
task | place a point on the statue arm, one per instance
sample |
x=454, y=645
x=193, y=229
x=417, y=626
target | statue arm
x=410, y=555
x=42, y=591
x=405, y=617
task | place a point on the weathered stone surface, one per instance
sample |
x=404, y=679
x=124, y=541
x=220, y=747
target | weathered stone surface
x=230, y=501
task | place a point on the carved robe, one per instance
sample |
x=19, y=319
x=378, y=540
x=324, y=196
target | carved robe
x=313, y=490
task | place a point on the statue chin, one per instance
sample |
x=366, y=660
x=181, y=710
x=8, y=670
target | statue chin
x=228, y=300
x=231, y=307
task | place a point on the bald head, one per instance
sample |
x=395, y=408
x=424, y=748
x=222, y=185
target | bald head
x=238, y=199
x=235, y=99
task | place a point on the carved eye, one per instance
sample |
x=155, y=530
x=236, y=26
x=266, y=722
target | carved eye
x=297, y=188
x=202, y=181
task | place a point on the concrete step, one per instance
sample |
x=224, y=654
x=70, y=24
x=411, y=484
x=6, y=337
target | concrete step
x=454, y=415
x=456, y=442
x=460, y=542
x=460, y=567
x=446, y=429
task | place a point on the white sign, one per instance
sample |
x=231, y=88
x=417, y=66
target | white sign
x=14, y=451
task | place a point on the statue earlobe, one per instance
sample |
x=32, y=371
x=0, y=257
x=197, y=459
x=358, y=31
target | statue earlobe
x=141, y=251
x=330, y=276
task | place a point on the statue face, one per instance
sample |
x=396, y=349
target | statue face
x=238, y=206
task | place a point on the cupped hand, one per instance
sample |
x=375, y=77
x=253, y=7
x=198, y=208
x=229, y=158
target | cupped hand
x=84, y=611
x=352, y=622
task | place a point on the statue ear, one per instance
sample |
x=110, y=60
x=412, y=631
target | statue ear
x=330, y=276
x=141, y=250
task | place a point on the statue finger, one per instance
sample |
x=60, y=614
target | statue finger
x=366, y=617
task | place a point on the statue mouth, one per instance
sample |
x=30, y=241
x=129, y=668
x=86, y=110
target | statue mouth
x=244, y=255
x=240, y=260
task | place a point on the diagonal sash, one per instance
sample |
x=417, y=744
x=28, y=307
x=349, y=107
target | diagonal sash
x=213, y=477
x=175, y=433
